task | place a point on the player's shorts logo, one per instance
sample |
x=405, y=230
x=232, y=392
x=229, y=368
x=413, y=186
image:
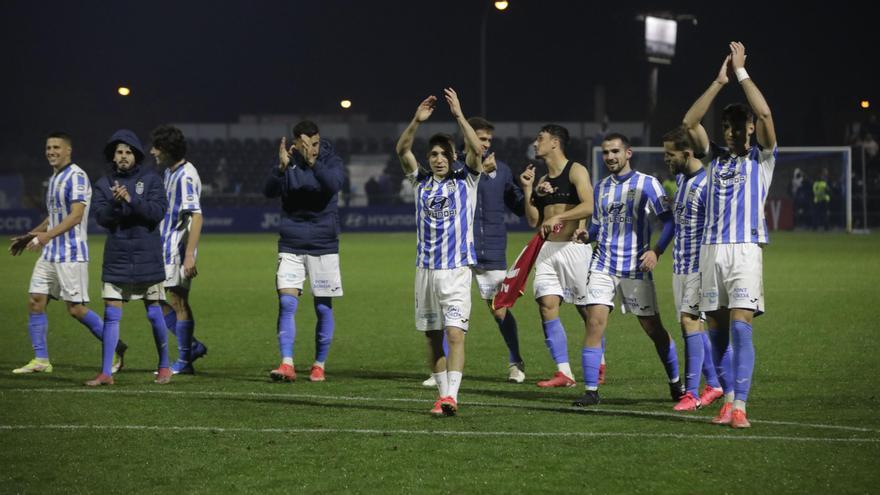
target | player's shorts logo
x=454, y=313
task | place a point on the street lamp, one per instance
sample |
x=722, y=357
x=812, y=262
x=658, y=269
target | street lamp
x=500, y=5
x=123, y=91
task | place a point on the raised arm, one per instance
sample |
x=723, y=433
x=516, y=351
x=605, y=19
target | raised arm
x=404, y=144
x=764, y=130
x=695, y=114
x=473, y=150
x=527, y=180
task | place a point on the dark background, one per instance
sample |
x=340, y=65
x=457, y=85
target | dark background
x=197, y=61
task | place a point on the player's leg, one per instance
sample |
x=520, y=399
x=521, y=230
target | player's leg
x=324, y=329
x=686, y=293
x=453, y=290
x=666, y=351
x=38, y=328
x=718, y=325
x=112, y=316
x=510, y=333
x=326, y=283
x=556, y=341
x=289, y=279
x=153, y=296
x=712, y=390
x=178, y=297
x=596, y=317
x=437, y=364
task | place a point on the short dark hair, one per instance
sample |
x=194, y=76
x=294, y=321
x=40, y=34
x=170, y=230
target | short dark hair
x=306, y=127
x=737, y=114
x=61, y=135
x=616, y=135
x=679, y=138
x=481, y=124
x=557, y=131
x=444, y=141
x=170, y=141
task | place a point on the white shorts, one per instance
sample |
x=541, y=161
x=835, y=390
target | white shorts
x=562, y=269
x=174, y=277
x=637, y=296
x=731, y=277
x=66, y=281
x=488, y=281
x=133, y=292
x=322, y=272
x=686, y=291
x=443, y=298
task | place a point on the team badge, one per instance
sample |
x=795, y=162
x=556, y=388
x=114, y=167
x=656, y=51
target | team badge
x=450, y=187
x=139, y=187
x=631, y=194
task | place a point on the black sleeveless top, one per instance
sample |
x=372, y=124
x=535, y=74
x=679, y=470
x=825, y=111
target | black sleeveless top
x=564, y=191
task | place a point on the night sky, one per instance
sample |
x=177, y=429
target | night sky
x=196, y=61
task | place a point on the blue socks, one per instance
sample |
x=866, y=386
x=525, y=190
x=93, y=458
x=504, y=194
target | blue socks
x=160, y=333
x=184, y=332
x=171, y=322
x=38, y=327
x=555, y=340
x=694, y=355
x=722, y=356
x=669, y=358
x=708, y=363
x=591, y=358
x=507, y=326
x=286, y=325
x=743, y=358
x=112, y=315
x=93, y=322
x=323, y=327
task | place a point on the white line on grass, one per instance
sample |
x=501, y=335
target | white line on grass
x=358, y=431
x=599, y=411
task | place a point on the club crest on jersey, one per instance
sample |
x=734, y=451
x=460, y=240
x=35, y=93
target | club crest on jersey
x=631, y=194
x=450, y=187
x=139, y=187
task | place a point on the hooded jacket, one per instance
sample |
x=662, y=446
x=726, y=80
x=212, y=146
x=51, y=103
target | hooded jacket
x=309, y=197
x=133, y=249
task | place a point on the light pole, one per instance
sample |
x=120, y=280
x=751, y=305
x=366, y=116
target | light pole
x=499, y=5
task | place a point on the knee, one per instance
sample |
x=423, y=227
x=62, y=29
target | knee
x=323, y=308
x=499, y=314
x=36, y=305
x=455, y=337
x=287, y=303
x=548, y=312
x=77, y=311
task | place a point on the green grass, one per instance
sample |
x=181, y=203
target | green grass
x=366, y=429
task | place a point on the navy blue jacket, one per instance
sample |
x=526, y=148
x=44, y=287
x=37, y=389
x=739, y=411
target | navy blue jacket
x=490, y=231
x=309, y=197
x=133, y=248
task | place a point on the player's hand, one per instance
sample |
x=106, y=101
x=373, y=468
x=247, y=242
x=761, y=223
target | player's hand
x=581, y=236
x=489, y=164
x=189, y=267
x=544, y=188
x=426, y=108
x=737, y=55
x=19, y=243
x=527, y=178
x=284, y=154
x=551, y=225
x=649, y=260
x=454, y=104
x=723, y=77
x=40, y=239
x=120, y=193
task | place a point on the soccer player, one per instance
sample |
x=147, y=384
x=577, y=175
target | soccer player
x=731, y=260
x=623, y=260
x=559, y=203
x=497, y=190
x=445, y=200
x=130, y=203
x=689, y=212
x=62, y=271
x=181, y=230
x=308, y=177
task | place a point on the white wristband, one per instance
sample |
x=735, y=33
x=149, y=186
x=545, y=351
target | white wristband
x=741, y=74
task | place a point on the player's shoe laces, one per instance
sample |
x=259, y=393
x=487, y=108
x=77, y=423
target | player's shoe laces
x=99, y=380
x=676, y=390
x=688, y=403
x=119, y=357
x=516, y=373
x=559, y=380
x=601, y=374
x=430, y=382
x=738, y=419
x=285, y=372
x=181, y=367
x=316, y=374
x=724, y=415
x=35, y=365
x=198, y=350
x=449, y=406
x=710, y=395
x=590, y=398
x=437, y=411
x=163, y=376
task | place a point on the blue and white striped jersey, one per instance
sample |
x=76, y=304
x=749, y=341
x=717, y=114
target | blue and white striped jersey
x=68, y=186
x=621, y=213
x=690, y=220
x=184, y=188
x=738, y=188
x=445, y=219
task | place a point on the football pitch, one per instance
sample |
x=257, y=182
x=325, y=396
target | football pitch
x=367, y=429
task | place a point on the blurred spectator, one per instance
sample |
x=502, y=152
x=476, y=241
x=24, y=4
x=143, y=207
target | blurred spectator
x=821, y=200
